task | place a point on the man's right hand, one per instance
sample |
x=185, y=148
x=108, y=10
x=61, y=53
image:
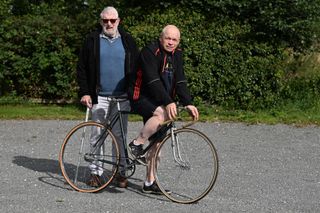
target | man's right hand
x=171, y=111
x=86, y=100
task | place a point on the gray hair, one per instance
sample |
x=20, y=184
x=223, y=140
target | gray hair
x=109, y=10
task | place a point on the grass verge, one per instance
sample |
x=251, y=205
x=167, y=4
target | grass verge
x=286, y=114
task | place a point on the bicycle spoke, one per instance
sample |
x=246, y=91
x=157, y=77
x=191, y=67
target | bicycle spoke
x=87, y=152
x=188, y=166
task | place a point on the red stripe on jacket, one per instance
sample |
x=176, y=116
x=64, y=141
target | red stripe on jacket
x=137, y=86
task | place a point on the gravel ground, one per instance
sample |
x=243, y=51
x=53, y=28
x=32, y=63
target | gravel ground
x=263, y=168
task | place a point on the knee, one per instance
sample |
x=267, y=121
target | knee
x=160, y=114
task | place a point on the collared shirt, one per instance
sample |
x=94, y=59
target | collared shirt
x=110, y=39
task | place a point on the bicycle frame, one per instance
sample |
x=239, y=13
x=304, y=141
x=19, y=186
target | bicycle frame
x=110, y=122
x=176, y=148
x=156, y=137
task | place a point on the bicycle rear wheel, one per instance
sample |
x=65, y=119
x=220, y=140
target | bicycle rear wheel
x=187, y=165
x=89, y=151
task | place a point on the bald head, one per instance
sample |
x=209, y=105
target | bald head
x=170, y=38
x=170, y=29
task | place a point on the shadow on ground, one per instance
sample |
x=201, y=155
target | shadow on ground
x=54, y=178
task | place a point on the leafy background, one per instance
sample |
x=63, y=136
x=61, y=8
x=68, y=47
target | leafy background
x=247, y=54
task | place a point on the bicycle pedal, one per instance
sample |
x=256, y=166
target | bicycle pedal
x=141, y=160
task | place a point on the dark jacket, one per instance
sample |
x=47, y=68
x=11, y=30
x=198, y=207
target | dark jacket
x=88, y=67
x=148, y=81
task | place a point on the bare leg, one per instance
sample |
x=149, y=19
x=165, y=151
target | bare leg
x=152, y=125
x=152, y=163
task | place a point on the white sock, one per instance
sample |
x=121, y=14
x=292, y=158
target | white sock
x=147, y=183
x=136, y=143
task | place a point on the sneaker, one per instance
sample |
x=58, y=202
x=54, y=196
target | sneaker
x=136, y=150
x=153, y=189
x=94, y=181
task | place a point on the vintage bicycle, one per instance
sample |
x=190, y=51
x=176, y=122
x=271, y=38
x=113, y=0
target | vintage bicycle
x=188, y=159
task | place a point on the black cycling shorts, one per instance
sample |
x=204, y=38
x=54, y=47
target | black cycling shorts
x=144, y=107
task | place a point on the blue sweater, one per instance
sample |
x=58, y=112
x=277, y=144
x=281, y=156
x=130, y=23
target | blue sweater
x=112, y=74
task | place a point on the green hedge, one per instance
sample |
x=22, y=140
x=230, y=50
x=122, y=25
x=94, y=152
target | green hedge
x=231, y=59
x=38, y=60
x=223, y=65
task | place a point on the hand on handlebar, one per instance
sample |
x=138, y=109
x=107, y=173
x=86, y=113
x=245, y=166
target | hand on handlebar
x=171, y=111
x=86, y=100
x=193, y=111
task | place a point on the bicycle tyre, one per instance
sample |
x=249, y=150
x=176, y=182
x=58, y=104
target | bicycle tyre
x=190, y=180
x=76, y=157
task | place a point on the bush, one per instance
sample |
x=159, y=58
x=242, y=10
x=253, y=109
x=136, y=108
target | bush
x=234, y=52
x=38, y=58
x=223, y=66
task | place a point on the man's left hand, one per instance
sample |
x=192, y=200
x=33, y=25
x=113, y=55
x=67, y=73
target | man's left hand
x=193, y=112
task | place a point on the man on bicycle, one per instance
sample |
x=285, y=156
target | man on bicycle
x=107, y=58
x=152, y=91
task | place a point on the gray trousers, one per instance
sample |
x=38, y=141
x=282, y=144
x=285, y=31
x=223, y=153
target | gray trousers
x=101, y=112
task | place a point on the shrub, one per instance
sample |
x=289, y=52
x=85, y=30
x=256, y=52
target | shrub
x=234, y=52
x=223, y=66
x=39, y=61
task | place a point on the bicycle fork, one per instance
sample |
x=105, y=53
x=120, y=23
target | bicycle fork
x=176, y=150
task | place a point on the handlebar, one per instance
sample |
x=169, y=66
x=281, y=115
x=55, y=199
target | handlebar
x=174, y=120
x=180, y=109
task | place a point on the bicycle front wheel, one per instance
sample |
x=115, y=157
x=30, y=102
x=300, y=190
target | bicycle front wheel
x=187, y=165
x=89, y=157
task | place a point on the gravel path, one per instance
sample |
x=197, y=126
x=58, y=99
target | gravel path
x=263, y=168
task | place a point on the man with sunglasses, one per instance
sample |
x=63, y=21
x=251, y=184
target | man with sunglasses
x=152, y=91
x=108, y=56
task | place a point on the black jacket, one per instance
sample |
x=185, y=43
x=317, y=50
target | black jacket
x=88, y=67
x=148, y=81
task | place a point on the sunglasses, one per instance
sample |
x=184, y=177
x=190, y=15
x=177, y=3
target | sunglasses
x=105, y=21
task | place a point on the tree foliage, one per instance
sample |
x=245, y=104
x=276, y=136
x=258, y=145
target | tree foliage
x=234, y=51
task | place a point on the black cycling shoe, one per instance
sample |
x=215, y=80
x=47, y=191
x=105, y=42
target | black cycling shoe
x=153, y=189
x=136, y=150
